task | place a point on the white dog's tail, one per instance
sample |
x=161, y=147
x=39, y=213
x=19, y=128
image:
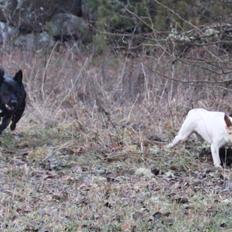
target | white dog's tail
x=185, y=131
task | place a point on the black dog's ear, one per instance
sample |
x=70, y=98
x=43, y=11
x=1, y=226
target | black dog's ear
x=19, y=76
x=1, y=75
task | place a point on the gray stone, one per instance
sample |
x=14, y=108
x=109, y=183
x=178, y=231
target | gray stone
x=7, y=33
x=31, y=15
x=67, y=26
x=34, y=41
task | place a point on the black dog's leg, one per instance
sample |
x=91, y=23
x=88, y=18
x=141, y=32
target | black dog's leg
x=5, y=123
x=16, y=117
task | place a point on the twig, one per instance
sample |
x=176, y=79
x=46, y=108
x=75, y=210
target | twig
x=189, y=81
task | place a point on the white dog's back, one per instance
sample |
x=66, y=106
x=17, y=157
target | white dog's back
x=208, y=124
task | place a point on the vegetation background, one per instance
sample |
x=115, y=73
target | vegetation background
x=109, y=83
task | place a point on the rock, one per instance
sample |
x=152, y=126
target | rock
x=34, y=41
x=157, y=215
x=144, y=172
x=7, y=33
x=30, y=15
x=64, y=26
x=160, y=216
x=155, y=171
x=169, y=174
x=44, y=40
x=56, y=161
x=182, y=200
x=99, y=179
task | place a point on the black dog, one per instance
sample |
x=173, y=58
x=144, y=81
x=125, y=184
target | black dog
x=12, y=99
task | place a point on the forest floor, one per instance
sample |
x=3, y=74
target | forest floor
x=52, y=181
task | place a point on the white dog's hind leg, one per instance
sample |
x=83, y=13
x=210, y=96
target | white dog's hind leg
x=215, y=155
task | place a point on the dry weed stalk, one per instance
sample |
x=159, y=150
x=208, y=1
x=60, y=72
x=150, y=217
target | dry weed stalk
x=147, y=94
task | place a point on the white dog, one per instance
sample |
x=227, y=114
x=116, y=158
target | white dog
x=214, y=127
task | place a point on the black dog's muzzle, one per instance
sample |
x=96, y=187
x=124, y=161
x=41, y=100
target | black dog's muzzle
x=11, y=105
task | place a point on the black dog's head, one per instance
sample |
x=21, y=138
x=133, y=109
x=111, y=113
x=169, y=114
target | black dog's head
x=12, y=92
x=12, y=99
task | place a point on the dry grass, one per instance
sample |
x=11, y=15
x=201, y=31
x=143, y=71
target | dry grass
x=88, y=154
